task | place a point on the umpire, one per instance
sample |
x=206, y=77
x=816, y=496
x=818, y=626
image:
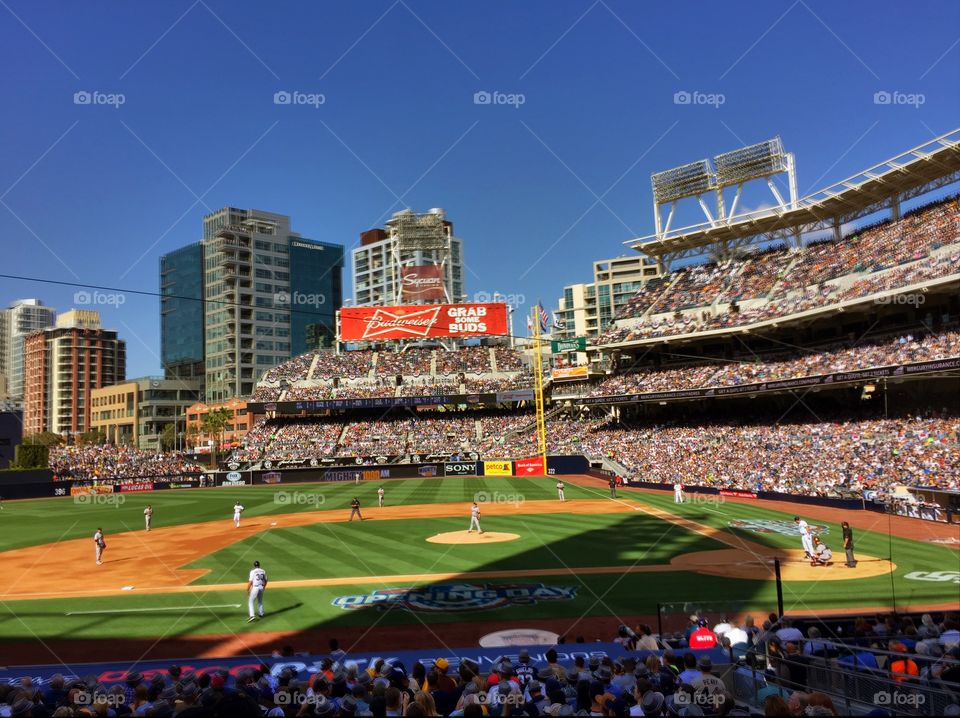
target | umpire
x=355, y=509
x=848, y=544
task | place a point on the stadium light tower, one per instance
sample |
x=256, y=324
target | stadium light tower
x=763, y=160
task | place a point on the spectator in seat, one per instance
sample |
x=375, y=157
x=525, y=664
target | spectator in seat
x=902, y=667
x=690, y=672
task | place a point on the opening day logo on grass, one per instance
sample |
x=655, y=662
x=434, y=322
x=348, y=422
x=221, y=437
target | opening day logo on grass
x=457, y=597
x=769, y=526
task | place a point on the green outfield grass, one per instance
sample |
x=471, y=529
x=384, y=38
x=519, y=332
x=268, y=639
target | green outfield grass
x=555, y=540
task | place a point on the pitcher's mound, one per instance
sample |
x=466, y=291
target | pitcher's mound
x=465, y=537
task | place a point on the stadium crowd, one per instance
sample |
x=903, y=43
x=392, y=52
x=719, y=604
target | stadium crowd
x=90, y=462
x=784, y=663
x=793, y=281
x=850, y=356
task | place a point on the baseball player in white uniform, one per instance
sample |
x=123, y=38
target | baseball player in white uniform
x=237, y=510
x=380, y=493
x=678, y=493
x=806, y=538
x=147, y=516
x=560, y=488
x=99, y=545
x=474, y=518
x=256, y=585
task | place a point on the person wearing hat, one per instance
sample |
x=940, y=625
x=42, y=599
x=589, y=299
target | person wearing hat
x=822, y=555
x=355, y=509
x=651, y=704
x=131, y=681
x=256, y=585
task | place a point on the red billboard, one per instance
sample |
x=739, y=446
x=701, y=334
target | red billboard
x=529, y=467
x=423, y=283
x=421, y=321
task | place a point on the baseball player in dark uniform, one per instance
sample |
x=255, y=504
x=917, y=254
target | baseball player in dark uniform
x=355, y=509
x=613, y=487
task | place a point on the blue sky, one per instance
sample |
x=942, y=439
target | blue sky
x=95, y=193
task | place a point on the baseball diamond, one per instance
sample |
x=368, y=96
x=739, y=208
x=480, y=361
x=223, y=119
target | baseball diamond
x=651, y=547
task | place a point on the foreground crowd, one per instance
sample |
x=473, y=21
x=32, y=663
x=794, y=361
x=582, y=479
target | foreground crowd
x=893, y=651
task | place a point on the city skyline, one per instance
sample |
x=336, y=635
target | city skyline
x=541, y=151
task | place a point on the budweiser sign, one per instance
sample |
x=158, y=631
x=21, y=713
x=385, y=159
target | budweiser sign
x=423, y=283
x=422, y=320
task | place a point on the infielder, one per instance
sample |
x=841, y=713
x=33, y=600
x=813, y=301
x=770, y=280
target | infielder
x=380, y=493
x=255, y=587
x=678, y=493
x=237, y=510
x=99, y=545
x=355, y=509
x=474, y=518
x=147, y=516
x=560, y=488
x=806, y=538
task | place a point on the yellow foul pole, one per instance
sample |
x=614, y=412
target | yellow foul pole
x=538, y=389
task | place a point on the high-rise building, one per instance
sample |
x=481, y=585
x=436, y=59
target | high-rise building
x=414, y=259
x=181, y=313
x=586, y=309
x=23, y=317
x=63, y=365
x=266, y=294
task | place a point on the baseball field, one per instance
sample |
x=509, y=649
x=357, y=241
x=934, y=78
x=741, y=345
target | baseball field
x=410, y=575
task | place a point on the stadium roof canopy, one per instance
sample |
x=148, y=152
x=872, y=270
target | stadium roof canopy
x=913, y=173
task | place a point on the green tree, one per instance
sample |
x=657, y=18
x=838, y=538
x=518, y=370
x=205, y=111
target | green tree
x=168, y=437
x=43, y=438
x=214, y=422
x=92, y=436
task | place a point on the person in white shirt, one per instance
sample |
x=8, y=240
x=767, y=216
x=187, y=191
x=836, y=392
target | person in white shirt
x=474, y=519
x=237, y=510
x=99, y=545
x=256, y=585
x=723, y=627
x=148, y=516
x=678, y=493
x=560, y=487
x=806, y=538
x=380, y=493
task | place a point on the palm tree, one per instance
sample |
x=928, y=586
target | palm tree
x=213, y=423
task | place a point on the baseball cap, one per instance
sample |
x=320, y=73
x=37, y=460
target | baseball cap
x=442, y=664
x=256, y=564
x=349, y=704
x=217, y=681
x=524, y=656
x=134, y=676
x=705, y=662
x=652, y=703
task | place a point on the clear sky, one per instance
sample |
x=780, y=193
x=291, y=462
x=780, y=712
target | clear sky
x=549, y=177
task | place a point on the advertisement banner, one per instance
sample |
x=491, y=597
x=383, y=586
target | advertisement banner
x=568, y=373
x=467, y=468
x=498, y=468
x=529, y=467
x=562, y=346
x=271, y=477
x=90, y=490
x=422, y=283
x=738, y=494
x=419, y=321
x=136, y=487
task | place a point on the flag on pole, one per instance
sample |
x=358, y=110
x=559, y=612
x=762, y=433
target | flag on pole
x=544, y=317
x=558, y=322
x=529, y=325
